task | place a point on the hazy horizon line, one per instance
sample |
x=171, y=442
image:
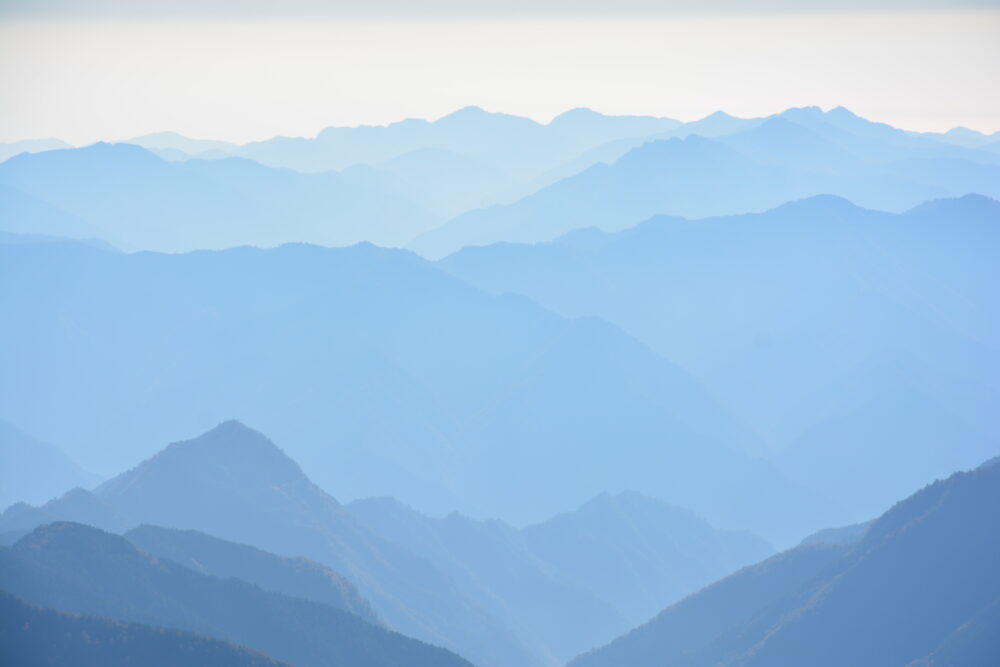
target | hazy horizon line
x=433, y=118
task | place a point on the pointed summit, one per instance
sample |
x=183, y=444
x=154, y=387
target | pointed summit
x=229, y=454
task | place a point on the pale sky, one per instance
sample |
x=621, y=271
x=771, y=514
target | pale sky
x=123, y=69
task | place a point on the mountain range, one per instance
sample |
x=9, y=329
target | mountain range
x=474, y=178
x=385, y=376
x=136, y=200
x=793, y=155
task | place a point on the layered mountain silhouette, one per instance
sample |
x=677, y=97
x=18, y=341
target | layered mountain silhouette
x=135, y=200
x=32, y=471
x=745, y=168
x=32, y=636
x=562, y=586
x=235, y=484
x=848, y=339
x=81, y=569
x=384, y=376
x=920, y=587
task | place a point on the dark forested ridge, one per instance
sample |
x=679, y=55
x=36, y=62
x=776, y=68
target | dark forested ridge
x=76, y=568
x=921, y=585
x=32, y=636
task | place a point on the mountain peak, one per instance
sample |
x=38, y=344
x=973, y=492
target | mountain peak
x=231, y=454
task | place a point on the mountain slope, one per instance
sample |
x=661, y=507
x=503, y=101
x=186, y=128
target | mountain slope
x=921, y=582
x=33, y=636
x=85, y=570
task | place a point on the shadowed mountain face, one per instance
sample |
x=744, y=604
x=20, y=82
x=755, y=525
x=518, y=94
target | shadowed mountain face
x=756, y=166
x=384, y=376
x=32, y=471
x=81, y=569
x=136, y=200
x=921, y=587
x=847, y=339
x=32, y=636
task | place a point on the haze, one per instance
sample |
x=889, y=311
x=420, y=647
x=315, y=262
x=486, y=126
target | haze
x=125, y=73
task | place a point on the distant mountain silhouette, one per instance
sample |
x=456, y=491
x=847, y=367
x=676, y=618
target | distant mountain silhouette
x=847, y=338
x=32, y=636
x=382, y=374
x=32, y=471
x=84, y=570
x=749, y=166
x=921, y=587
x=297, y=577
x=136, y=200
x=513, y=145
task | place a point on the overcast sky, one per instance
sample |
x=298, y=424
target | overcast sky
x=110, y=69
